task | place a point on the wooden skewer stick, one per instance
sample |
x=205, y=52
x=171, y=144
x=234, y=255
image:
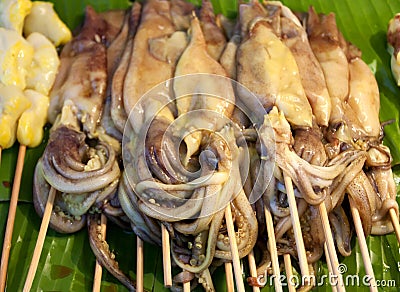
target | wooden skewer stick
x=329, y=264
x=166, y=250
x=234, y=249
x=395, y=222
x=289, y=272
x=98, y=268
x=139, y=264
x=186, y=286
x=363, y=246
x=40, y=240
x=11, y=216
x=330, y=246
x=253, y=269
x=230, y=286
x=294, y=214
x=273, y=250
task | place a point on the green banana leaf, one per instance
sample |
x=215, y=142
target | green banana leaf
x=67, y=263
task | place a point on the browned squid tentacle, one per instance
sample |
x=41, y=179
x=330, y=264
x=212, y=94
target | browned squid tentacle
x=313, y=235
x=59, y=220
x=204, y=262
x=247, y=229
x=103, y=254
x=145, y=229
x=363, y=195
x=65, y=141
x=381, y=177
x=285, y=223
x=341, y=229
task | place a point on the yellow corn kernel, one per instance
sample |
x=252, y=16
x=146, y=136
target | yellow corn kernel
x=45, y=20
x=15, y=58
x=42, y=73
x=13, y=13
x=12, y=104
x=31, y=122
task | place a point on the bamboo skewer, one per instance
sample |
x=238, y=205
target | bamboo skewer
x=294, y=214
x=363, y=246
x=289, y=273
x=139, y=264
x=234, y=250
x=253, y=269
x=166, y=250
x=186, y=286
x=40, y=240
x=273, y=250
x=98, y=268
x=395, y=222
x=11, y=216
x=330, y=246
x=230, y=286
x=329, y=264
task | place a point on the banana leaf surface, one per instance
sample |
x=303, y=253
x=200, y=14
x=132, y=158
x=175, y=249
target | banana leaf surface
x=67, y=262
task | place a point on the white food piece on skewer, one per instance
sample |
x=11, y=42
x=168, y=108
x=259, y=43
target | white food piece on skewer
x=13, y=13
x=30, y=124
x=45, y=63
x=13, y=103
x=392, y=33
x=45, y=20
x=16, y=56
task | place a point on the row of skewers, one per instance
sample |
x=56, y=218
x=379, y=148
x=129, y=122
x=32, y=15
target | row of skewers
x=30, y=33
x=165, y=55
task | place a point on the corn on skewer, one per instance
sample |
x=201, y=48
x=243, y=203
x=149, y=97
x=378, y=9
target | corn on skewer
x=363, y=246
x=11, y=216
x=98, y=268
x=40, y=241
x=29, y=133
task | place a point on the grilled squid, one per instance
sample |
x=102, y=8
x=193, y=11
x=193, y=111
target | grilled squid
x=312, y=77
x=82, y=78
x=267, y=67
x=199, y=99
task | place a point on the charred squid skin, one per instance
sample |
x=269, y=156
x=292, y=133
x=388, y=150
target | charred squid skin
x=66, y=142
x=103, y=254
x=58, y=222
